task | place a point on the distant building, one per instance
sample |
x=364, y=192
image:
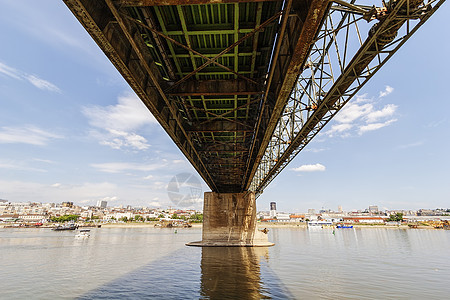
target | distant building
x=283, y=217
x=273, y=206
x=273, y=209
x=364, y=219
x=33, y=218
x=297, y=218
x=102, y=203
x=373, y=209
x=427, y=212
x=67, y=204
x=340, y=208
x=311, y=211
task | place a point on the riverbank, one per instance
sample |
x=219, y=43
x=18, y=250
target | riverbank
x=260, y=225
x=142, y=225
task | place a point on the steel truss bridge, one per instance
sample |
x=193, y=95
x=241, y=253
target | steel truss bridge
x=242, y=86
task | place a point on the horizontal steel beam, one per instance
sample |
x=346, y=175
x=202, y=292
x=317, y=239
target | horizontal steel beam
x=182, y=2
x=216, y=88
x=219, y=126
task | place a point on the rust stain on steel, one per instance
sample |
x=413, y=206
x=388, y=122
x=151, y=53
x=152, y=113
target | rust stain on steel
x=359, y=62
x=276, y=52
x=216, y=87
x=316, y=12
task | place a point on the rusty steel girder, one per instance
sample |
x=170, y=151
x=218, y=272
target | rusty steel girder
x=333, y=75
x=137, y=3
x=241, y=86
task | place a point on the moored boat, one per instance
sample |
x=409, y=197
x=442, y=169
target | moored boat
x=65, y=227
x=320, y=224
x=83, y=233
x=344, y=226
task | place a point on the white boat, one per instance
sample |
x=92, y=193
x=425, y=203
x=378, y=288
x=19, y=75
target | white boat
x=320, y=224
x=82, y=234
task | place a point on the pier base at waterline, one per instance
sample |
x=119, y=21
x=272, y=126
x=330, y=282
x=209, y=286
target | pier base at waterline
x=229, y=220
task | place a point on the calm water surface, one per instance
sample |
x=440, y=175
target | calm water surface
x=153, y=263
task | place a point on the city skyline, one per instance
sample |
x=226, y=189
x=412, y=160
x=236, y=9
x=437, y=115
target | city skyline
x=10, y=209
x=71, y=129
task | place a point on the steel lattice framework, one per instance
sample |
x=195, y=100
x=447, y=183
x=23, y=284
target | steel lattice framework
x=336, y=70
x=242, y=86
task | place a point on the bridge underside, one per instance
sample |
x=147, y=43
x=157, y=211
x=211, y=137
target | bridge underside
x=242, y=86
x=215, y=74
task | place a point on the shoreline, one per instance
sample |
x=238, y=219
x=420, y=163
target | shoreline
x=199, y=225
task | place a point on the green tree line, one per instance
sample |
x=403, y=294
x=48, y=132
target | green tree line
x=65, y=218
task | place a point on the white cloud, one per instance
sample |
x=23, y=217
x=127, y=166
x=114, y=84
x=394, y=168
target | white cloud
x=339, y=128
x=128, y=114
x=47, y=161
x=120, y=139
x=33, y=79
x=361, y=115
x=386, y=111
x=353, y=111
x=26, y=135
x=9, y=71
x=363, y=98
x=118, y=167
x=375, y=126
x=315, y=150
x=178, y=161
x=42, y=84
x=109, y=199
x=117, y=124
x=310, y=168
x=386, y=92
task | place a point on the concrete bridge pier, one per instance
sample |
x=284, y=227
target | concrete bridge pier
x=229, y=220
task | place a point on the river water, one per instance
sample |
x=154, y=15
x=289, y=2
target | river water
x=154, y=263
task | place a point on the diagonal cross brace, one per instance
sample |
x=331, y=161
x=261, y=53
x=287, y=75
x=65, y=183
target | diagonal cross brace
x=135, y=47
x=185, y=47
x=229, y=112
x=228, y=49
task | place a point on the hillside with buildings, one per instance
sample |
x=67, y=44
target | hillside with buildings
x=34, y=212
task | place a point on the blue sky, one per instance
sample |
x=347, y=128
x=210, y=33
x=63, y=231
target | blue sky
x=72, y=130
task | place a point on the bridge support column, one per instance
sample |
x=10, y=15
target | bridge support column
x=229, y=220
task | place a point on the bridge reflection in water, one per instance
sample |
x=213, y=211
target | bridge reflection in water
x=199, y=273
x=233, y=272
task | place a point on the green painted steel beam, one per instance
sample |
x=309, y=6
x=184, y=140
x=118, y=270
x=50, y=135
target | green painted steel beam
x=220, y=73
x=192, y=104
x=236, y=37
x=186, y=36
x=215, y=50
x=255, y=38
x=182, y=2
x=240, y=54
x=171, y=48
x=208, y=31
